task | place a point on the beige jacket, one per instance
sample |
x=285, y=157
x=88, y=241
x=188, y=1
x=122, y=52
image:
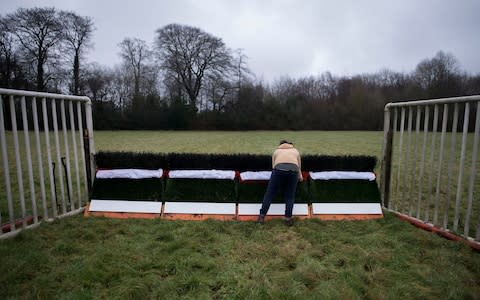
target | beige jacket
x=286, y=153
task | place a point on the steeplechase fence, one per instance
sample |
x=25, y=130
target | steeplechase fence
x=430, y=163
x=47, y=156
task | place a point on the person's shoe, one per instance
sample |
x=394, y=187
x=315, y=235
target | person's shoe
x=261, y=219
x=289, y=221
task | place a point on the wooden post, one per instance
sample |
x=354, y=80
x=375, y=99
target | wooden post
x=387, y=159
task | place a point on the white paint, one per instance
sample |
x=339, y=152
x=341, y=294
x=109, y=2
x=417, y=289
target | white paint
x=199, y=208
x=129, y=173
x=275, y=209
x=202, y=174
x=346, y=208
x=126, y=206
x=328, y=175
x=255, y=175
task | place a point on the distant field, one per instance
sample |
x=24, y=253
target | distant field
x=261, y=142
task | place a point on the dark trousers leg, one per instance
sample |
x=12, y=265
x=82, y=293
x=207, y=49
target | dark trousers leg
x=289, y=192
x=272, y=188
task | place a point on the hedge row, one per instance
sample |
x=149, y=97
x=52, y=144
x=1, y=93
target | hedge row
x=237, y=162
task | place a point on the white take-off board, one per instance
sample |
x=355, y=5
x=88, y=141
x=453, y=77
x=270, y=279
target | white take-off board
x=245, y=209
x=346, y=208
x=199, y=208
x=125, y=206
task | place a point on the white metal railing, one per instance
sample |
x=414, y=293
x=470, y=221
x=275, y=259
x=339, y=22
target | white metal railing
x=421, y=174
x=66, y=163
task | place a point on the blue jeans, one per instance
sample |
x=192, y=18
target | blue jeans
x=288, y=181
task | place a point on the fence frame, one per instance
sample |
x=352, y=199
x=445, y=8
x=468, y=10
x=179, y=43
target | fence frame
x=387, y=149
x=86, y=142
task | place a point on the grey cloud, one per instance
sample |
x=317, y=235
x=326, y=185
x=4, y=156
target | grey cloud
x=296, y=38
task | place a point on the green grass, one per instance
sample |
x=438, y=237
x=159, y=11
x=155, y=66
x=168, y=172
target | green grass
x=87, y=258
x=253, y=142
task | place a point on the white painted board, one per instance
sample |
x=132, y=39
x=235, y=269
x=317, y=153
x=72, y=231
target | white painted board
x=346, y=208
x=329, y=175
x=256, y=175
x=199, y=208
x=201, y=174
x=126, y=206
x=129, y=173
x=275, y=209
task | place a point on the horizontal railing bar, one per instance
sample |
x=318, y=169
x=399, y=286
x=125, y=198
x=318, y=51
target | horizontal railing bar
x=71, y=213
x=43, y=95
x=433, y=101
x=17, y=231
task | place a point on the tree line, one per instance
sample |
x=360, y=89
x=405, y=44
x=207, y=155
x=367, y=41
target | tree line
x=189, y=79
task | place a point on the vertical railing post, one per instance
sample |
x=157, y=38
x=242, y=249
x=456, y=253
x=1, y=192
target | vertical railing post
x=51, y=175
x=471, y=182
x=28, y=154
x=39, y=158
x=18, y=161
x=431, y=162
x=86, y=184
x=414, y=162
x=440, y=164
x=6, y=170
x=406, y=189
x=458, y=197
x=75, y=155
x=90, y=159
x=422, y=161
x=450, y=164
x=398, y=200
x=386, y=159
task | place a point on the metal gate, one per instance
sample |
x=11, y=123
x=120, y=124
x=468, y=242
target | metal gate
x=429, y=177
x=46, y=154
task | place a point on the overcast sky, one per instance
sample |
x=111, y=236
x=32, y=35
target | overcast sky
x=295, y=38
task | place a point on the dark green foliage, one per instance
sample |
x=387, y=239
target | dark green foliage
x=252, y=192
x=127, y=160
x=201, y=190
x=361, y=191
x=252, y=162
x=360, y=163
x=236, y=162
x=128, y=189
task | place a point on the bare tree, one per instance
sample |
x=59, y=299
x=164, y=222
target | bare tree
x=242, y=72
x=77, y=35
x=439, y=75
x=190, y=54
x=38, y=30
x=7, y=53
x=135, y=53
x=98, y=80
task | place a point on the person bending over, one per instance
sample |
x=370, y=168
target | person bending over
x=286, y=164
